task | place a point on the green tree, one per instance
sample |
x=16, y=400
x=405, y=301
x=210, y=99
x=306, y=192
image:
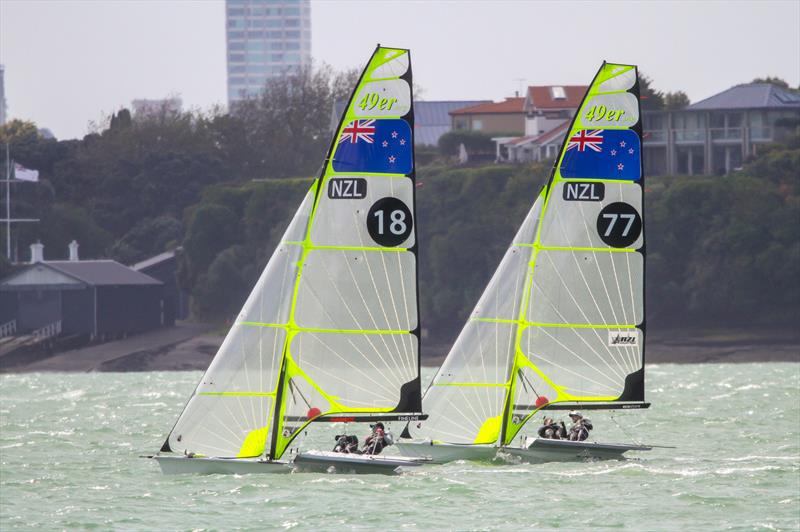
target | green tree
x=676, y=100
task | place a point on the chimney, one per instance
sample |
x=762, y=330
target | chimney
x=37, y=252
x=73, y=251
x=516, y=94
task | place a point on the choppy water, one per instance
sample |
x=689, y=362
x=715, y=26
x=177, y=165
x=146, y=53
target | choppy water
x=69, y=445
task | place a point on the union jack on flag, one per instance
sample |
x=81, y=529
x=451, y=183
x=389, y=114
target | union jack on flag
x=359, y=130
x=587, y=139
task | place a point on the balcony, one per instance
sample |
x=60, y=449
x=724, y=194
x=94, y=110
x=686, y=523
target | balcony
x=761, y=134
x=655, y=136
x=726, y=133
x=687, y=136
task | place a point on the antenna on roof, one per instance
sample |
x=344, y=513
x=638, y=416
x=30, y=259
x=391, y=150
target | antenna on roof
x=520, y=82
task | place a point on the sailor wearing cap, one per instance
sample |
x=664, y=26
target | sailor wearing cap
x=580, y=428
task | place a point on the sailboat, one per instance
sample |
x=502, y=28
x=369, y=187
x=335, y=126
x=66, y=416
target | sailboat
x=561, y=324
x=330, y=332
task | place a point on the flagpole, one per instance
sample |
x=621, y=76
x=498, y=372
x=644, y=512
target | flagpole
x=8, y=202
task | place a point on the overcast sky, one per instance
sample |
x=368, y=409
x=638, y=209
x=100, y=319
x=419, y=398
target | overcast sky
x=69, y=62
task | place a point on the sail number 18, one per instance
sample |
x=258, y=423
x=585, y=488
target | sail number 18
x=389, y=222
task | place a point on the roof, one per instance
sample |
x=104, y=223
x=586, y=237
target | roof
x=101, y=272
x=431, y=119
x=750, y=96
x=542, y=96
x=152, y=261
x=508, y=106
x=542, y=139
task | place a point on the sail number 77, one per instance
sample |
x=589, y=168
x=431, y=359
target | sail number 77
x=619, y=224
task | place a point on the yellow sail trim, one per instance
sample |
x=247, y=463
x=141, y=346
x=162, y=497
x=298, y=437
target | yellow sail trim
x=345, y=248
x=254, y=443
x=472, y=384
x=489, y=431
x=295, y=328
x=238, y=394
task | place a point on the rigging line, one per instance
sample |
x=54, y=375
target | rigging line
x=464, y=400
x=483, y=367
x=625, y=351
x=632, y=438
x=398, y=378
x=388, y=286
x=635, y=352
x=412, y=355
x=535, y=355
x=292, y=388
x=526, y=378
x=349, y=383
x=359, y=370
x=391, y=295
x=380, y=300
x=247, y=379
x=569, y=292
x=367, y=337
x=613, y=370
x=347, y=335
x=473, y=424
x=237, y=438
x=624, y=365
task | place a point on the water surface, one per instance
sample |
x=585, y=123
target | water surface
x=69, y=447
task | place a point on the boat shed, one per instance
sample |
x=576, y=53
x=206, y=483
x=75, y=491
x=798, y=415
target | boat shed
x=101, y=298
x=164, y=267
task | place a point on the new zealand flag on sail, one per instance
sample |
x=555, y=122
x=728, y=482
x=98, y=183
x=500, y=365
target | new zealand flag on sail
x=603, y=154
x=375, y=146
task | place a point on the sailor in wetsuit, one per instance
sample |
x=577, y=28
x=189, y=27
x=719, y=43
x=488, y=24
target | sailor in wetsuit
x=346, y=444
x=552, y=430
x=376, y=441
x=580, y=428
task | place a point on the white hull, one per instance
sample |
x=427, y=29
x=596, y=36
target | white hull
x=177, y=465
x=440, y=453
x=330, y=462
x=538, y=450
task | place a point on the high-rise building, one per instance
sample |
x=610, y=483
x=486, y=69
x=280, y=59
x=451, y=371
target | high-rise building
x=265, y=38
x=2, y=96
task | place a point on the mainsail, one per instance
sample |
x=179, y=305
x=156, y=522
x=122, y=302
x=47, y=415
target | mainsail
x=331, y=329
x=561, y=323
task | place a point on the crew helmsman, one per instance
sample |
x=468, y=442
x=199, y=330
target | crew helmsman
x=580, y=428
x=379, y=439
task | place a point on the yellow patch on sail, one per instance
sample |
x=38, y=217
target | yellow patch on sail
x=254, y=443
x=490, y=431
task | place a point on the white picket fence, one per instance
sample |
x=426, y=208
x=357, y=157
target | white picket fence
x=8, y=329
x=48, y=331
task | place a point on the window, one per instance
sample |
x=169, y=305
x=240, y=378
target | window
x=558, y=93
x=292, y=34
x=236, y=58
x=292, y=23
x=292, y=45
x=274, y=23
x=276, y=46
x=477, y=125
x=255, y=34
x=236, y=35
x=236, y=46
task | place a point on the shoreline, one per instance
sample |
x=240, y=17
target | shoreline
x=191, y=347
